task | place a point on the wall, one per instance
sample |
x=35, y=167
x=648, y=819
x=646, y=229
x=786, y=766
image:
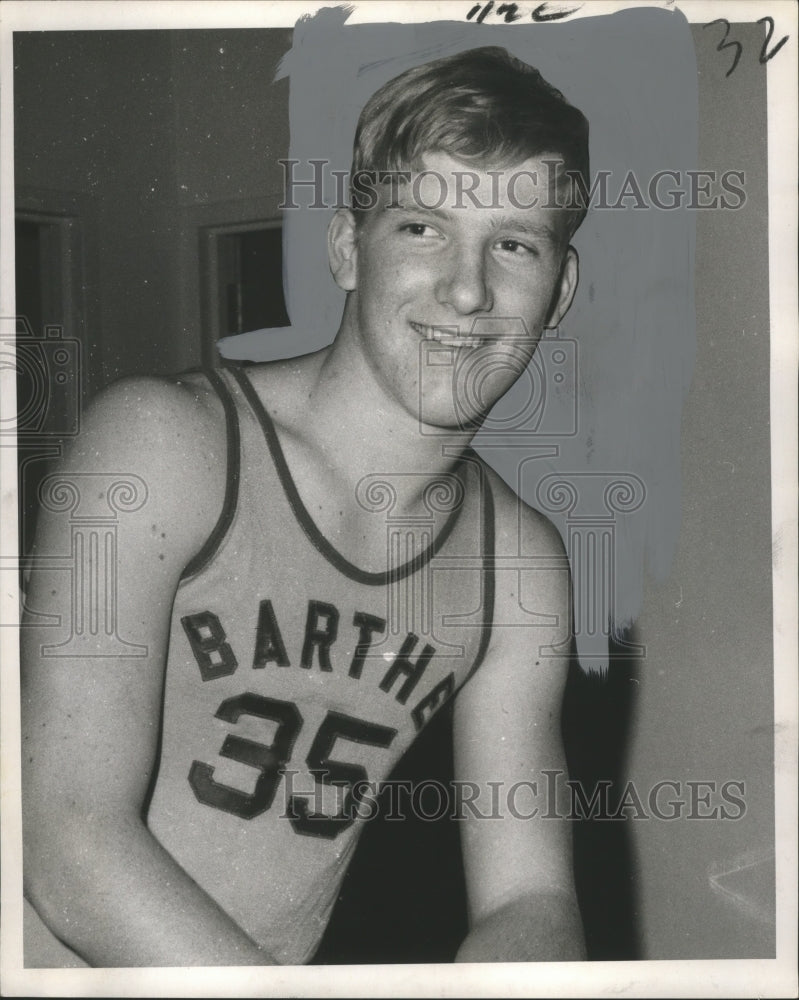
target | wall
x=704, y=694
x=147, y=135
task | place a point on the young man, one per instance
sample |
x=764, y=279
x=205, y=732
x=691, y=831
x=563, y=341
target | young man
x=315, y=567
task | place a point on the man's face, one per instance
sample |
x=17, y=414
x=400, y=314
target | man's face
x=450, y=301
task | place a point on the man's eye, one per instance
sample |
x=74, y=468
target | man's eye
x=515, y=247
x=418, y=229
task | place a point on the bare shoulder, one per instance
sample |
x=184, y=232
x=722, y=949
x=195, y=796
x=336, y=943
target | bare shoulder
x=532, y=583
x=514, y=697
x=521, y=529
x=168, y=436
x=176, y=411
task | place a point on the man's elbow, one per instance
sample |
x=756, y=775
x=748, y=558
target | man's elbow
x=533, y=928
x=66, y=857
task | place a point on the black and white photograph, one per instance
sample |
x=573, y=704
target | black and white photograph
x=399, y=485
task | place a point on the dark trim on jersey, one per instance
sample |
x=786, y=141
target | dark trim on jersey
x=489, y=567
x=199, y=561
x=307, y=523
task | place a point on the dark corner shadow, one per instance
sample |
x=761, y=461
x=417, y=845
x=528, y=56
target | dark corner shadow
x=598, y=715
x=404, y=899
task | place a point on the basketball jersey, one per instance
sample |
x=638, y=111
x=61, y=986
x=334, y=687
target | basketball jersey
x=295, y=680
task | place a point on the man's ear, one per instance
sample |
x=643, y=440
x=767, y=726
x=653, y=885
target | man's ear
x=342, y=249
x=565, y=289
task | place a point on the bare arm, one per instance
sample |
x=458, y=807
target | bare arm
x=522, y=903
x=90, y=723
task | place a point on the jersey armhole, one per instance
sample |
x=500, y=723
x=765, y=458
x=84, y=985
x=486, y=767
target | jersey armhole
x=201, y=559
x=489, y=561
x=488, y=536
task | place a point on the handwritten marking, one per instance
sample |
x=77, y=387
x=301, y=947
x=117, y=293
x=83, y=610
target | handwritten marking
x=510, y=12
x=764, y=56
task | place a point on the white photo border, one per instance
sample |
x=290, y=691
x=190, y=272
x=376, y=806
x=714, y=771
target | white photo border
x=727, y=978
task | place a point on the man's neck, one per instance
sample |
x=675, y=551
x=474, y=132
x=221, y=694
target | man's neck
x=364, y=430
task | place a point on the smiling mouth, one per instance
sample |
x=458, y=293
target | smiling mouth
x=449, y=335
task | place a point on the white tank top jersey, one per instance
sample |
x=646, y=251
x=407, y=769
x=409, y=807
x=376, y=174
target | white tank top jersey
x=295, y=681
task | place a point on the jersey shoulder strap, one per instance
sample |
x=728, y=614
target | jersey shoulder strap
x=233, y=445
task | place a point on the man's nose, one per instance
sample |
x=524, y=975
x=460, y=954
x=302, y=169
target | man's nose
x=464, y=284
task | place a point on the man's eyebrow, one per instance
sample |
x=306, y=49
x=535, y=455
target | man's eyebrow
x=541, y=230
x=414, y=209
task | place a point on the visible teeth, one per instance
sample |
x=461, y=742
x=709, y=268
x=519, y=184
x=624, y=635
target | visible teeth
x=444, y=334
